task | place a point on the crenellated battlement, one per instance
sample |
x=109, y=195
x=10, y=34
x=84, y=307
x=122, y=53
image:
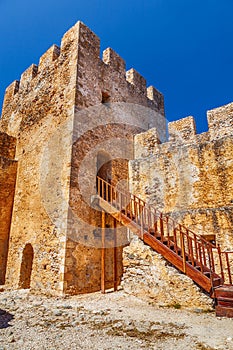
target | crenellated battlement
x=183, y=132
x=220, y=124
x=75, y=71
x=220, y=121
x=27, y=76
x=112, y=59
x=137, y=80
x=48, y=57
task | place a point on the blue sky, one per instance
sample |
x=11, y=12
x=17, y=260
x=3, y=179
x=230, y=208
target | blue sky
x=182, y=47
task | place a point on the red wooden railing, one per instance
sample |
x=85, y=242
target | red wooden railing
x=194, y=250
x=226, y=262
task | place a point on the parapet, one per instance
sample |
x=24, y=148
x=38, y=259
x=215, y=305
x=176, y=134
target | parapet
x=80, y=37
x=111, y=58
x=137, y=80
x=182, y=130
x=156, y=97
x=27, y=76
x=10, y=93
x=49, y=56
x=75, y=72
x=220, y=121
x=12, y=89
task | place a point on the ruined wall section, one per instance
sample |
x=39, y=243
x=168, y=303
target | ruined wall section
x=8, y=171
x=191, y=175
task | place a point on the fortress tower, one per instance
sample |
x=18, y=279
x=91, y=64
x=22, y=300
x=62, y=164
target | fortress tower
x=77, y=121
x=68, y=119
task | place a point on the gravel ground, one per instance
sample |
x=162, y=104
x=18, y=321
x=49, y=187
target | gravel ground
x=111, y=321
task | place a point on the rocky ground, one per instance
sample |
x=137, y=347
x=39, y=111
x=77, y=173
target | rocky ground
x=111, y=321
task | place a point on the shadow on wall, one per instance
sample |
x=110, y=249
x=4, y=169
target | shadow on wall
x=5, y=318
x=26, y=267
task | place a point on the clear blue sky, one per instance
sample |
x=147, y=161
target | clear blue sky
x=182, y=47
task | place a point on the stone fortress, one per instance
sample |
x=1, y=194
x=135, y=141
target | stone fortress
x=75, y=116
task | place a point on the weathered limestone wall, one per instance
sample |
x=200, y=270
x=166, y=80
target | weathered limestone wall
x=190, y=176
x=39, y=111
x=116, y=105
x=8, y=170
x=148, y=275
x=63, y=112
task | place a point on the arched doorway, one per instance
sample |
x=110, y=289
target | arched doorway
x=26, y=267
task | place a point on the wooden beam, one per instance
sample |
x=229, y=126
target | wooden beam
x=103, y=254
x=115, y=256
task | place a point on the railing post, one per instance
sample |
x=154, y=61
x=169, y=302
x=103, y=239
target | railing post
x=168, y=232
x=183, y=249
x=200, y=256
x=103, y=254
x=210, y=267
x=228, y=267
x=161, y=227
x=155, y=224
x=142, y=223
x=204, y=252
x=212, y=258
x=196, y=249
x=220, y=261
x=149, y=219
x=102, y=189
x=175, y=238
x=115, y=255
x=107, y=197
x=111, y=195
x=191, y=249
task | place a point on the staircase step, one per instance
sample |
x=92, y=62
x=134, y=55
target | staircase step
x=166, y=245
x=217, y=282
x=222, y=311
x=226, y=302
x=224, y=291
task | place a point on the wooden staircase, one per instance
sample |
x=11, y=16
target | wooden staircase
x=202, y=261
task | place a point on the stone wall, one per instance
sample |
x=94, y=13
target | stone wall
x=149, y=276
x=8, y=170
x=190, y=176
x=63, y=112
x=116, y=106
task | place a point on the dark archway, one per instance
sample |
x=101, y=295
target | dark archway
x=104, y=166
x=104, y=171
x=26, y=267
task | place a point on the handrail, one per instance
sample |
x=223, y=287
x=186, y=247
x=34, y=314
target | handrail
x=191, y=247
